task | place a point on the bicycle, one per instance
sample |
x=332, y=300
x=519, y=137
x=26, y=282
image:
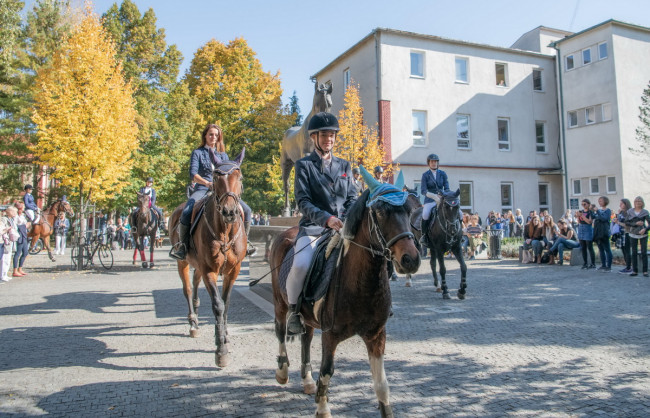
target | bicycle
x=97, y=245
x=37, y=247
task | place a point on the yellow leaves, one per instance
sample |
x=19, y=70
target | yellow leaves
x=86, y=114
x=357, y=142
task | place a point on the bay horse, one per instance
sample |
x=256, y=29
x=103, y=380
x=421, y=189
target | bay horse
x=445, y=234
x=145, y=224
x=45, y=226
x=218, y=246
x=296, y=142
x=358, y=300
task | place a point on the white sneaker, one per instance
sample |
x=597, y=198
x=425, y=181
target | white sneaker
x=6, y=278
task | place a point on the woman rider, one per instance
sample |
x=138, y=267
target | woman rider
x=202, y=163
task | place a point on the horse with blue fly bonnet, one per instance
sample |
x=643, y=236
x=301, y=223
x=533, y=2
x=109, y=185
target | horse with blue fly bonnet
x=358, y=299
x=217, y=247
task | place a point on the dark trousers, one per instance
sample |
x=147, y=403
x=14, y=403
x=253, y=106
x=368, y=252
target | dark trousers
x=635, y=255
x=626, y=248
x=605, y=251
x=21, y=253
x=588, y=246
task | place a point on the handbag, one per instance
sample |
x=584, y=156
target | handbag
x=13, y=235
x=526, y=257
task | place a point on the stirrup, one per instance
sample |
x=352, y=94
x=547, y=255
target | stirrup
x=251, y=251
x=178, y=251
x=294, y=324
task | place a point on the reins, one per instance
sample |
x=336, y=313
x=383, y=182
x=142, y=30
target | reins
x=450, y=229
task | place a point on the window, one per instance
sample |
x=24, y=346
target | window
x=611, y=185
x=502, y=74
x=590, y=115
x=573, y=119
x=543, y=196
x=417, y=64
x=537, y=80
x=540, y=137
x=466, y=204
x=602, y=50
x=586, y=56
x=506, y=197
x=503, y=134
x=606, y=112
x=419, y=127
x=577, y=187
x=346, y=79
x=593, y=186
x=569, y=62
x=462, y=131
x=461, y=70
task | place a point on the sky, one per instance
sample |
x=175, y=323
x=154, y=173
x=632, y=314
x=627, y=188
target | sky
x=298, y=38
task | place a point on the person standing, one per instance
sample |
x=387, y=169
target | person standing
x=621, y=219
x=519, y=224
x=602, y=219
x=639, y=222
x=434, y=182
x=61, y=227
x=9, y=235
x=22, y=245
x=324, y=192
x=585, y=218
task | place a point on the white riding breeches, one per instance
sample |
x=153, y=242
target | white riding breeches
x=426, y=210
x=304, y=251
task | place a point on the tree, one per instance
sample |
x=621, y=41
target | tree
x=168, y=117
x=230, y=86
x=295, y=109
x=85, y=114
x=357, y=142
x=643, y=131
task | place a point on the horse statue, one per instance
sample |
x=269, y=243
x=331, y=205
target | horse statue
x=296, y=143
x=358, y=299
x=45, y=226
x=445, y=234
x=217, y=246
x=145, y=224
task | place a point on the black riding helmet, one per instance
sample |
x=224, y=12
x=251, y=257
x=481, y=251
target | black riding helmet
x=322, y=121
x=149, y=179
x=379, y=169
x=432, y=157
x=28, y=187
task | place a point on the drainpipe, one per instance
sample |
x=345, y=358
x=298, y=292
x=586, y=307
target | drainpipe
x=562, y=137
x=378, y=61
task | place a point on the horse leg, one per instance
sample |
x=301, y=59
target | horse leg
x=326, y=371
x=443, y=273
x=432, y=262
x=375, y=346
x=408, y=281
x=46, y=244
x=195, y=294
x=458, y=253
x=228, y=278
x=153, y=239
x=192, y=317
x=143, y=258
x=308, y=384
x=218, y=308
x=282, y=372
x=135, y=249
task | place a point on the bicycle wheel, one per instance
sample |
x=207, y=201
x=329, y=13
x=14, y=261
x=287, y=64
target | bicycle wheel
x=37, y=247
x=105, y=256
x=74, y=255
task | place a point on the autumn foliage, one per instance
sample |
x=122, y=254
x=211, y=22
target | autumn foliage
x=85, y=113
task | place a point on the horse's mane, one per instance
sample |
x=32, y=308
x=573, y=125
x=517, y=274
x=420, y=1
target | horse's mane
x=354, y=215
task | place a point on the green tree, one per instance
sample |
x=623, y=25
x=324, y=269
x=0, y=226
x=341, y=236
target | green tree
x=643, y=131
x=168, y=117
x=294, y=108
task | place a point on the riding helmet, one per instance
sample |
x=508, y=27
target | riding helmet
x=323, y=121
x=28, y=187
x=355, y=170
x=379, y=169
x=432, y=157
x=149, y=179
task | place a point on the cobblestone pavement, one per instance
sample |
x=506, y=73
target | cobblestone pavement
x=528, y=341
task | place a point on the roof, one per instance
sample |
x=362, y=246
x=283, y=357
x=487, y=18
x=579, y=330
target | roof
x=407, y=34
x=607, y=22
x=544, y=28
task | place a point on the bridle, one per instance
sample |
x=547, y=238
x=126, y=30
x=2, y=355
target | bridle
x=385, y=245
x=450, y=228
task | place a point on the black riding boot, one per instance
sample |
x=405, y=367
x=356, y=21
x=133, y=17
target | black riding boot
x=294, y=323
x=179, y=250
x=250, y=250
x=424, y=227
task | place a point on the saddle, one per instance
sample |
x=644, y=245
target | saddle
x=416, y=217
x=323, y=265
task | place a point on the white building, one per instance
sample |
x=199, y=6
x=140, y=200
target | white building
x=490, y=113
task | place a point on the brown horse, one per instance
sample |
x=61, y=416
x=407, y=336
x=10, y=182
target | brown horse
x=145, y=224
x=218, y=246
x=296, y=143
x=358, y=300
x=45, y=226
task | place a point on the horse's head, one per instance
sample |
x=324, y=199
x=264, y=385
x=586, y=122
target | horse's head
x=227, y=187
x=64, y=206
x=143, y=202
x=380, y=218
x=322, y=98
x=449, y=202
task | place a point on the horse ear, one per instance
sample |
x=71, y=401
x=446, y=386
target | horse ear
x=457, y=193
x=329, y=88
x=240, y=157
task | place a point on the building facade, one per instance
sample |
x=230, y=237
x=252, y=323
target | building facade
x=492, y=114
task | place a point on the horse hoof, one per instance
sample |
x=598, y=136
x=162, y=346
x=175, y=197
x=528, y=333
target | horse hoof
x=282, y=375
x=151, y=265
x=438, y=290
x=134, y=262
x=222, y=360
x=194, y=333
x=461, y=296
x=144, y=265
x=408, y=283
x=323, y=415
x=446, y=296
x=309, y=388
x=386, y=411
